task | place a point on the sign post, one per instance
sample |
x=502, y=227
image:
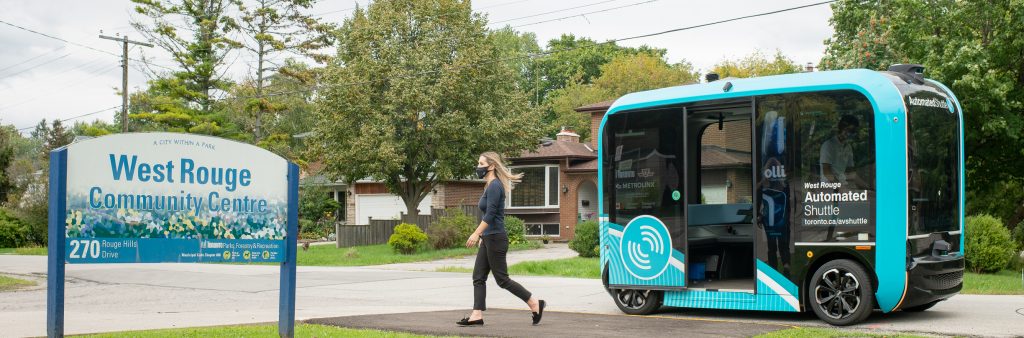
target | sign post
x=170, y=198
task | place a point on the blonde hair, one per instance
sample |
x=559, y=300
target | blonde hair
x=504, y=175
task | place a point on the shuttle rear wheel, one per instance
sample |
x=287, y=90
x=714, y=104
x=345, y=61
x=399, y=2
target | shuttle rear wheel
x=637, y=302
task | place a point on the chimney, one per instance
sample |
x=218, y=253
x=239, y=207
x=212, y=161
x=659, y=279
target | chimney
x=809, y=67
x=567, y=135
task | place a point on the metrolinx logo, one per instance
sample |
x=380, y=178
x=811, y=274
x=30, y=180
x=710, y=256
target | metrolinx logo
x=646, y=247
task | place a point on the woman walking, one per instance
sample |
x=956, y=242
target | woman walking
x=493, y=241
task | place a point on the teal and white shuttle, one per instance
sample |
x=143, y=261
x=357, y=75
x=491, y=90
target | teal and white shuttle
x=837, y=192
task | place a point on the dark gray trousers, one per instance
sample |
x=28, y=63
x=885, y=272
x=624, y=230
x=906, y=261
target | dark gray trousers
x=490, y=258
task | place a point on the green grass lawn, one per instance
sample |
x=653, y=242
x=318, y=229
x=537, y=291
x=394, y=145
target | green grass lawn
x=328, y=255
x=576, y=267
x=38, y=251
x=266, y=330
x=11, y=283
x=1006, y=282
x=807, y=332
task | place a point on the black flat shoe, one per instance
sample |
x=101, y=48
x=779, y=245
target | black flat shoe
x=467, y=322
x=538, y=315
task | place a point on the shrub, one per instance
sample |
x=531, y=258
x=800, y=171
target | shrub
x=407, y=238
x=304, y=225
x=32, y=212
x=1017, y=262
x=315, y=204
x=988, y=244
x=13, y=233
x=516, y=230
x=1018, y=235
x=586, y=239
x=451, y=230
x=316, y=230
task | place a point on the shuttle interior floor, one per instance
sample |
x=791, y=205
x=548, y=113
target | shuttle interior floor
x=725, y=284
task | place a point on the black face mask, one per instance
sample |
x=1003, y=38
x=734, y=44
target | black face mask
x=481, y=172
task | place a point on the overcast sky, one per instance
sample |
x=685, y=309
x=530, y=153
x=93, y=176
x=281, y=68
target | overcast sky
x=45, y=78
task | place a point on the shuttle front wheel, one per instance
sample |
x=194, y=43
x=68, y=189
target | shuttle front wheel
x=637, y=302
x=841, y=293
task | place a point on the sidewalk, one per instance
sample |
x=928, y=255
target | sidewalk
x=548, y=251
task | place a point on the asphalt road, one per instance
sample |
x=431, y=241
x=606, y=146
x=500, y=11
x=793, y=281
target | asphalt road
x=118, y=297
x=518, y=323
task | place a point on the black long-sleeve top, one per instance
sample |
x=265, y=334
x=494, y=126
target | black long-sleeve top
x=492, y=204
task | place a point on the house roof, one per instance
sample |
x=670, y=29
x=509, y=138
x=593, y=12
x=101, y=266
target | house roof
x=559, y=149
x=599, y=106
x=718, y=157
x=585, y=166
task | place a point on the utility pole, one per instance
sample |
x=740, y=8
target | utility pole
x=124, y=75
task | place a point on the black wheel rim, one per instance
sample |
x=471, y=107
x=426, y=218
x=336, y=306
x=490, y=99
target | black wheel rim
x=838, y=293
x=633, y=299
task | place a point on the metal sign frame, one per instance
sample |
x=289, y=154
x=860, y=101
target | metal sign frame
x=56, y=248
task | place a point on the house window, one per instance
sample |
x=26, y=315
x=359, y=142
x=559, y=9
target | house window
x=537, y=189
x=548, y=229
x=553, y=185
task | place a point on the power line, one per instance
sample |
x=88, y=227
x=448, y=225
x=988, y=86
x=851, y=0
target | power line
x=93, y=73
x=481, y=8
x=503, y=4
x=34, y=67
x=56, y=38
x=727, y=20
x=555, y=11
x=32, y=58
x=550, y=52
x=74, y=43
x=77, y=117
x=587, y=13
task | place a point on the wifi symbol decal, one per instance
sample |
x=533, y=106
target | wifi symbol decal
x=646, y=246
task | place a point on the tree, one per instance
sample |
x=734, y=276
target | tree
x=59, y=136
x=975, y=48
x=272, y=27
x=41, y=130
x=94, y=128
x=519, y=51
x=415, y=95
x=570, y=59
x=639, y=72
x=756, y=64
x=292, y=109
x=7, y=135
x=196, y=33
x=161, y=107
x=625, y=74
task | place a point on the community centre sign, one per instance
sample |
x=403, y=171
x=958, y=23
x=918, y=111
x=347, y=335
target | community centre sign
x=170, y=198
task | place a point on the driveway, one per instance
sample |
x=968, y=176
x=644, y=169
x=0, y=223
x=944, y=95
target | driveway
x=117, y=297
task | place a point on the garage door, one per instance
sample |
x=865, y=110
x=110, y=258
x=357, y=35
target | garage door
x=385, y=206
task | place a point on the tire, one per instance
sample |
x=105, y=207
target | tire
x=921, y=307
x=841, y=293
x=637, y=302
